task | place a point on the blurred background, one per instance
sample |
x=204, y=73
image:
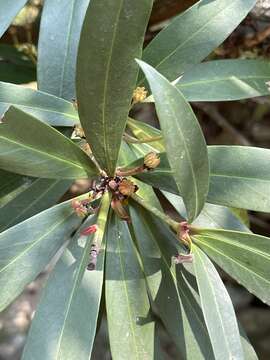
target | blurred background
x=241, y=122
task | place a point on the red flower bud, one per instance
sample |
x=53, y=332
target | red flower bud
x=89, y=230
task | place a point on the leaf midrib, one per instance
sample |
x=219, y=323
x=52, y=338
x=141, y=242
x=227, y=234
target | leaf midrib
x=32, y=149
x=40, y=108
x=236, y=262
x=14, y=259
x=173, y=275
x=68, y=31
x=75, y=286
x=217, y=307
x=237, y=245
x=37, y=199
x=193, y=177
x=106, y=80
x=205, y=81
x=194, y=34
x=126, y=293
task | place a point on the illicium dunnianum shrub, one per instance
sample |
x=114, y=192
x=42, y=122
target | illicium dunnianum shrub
x=119, y=245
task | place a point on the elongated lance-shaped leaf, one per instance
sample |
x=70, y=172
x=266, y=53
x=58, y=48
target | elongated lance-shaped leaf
x=193, y=35
x=26, y=248
x=112, y=36
x=9, y=9
x=37, y=196
x=60, y=30
x=224, y=80
x=244, y=256
x=239, y=176
x=30, y=147
x=184, y=322
x=47, y=108
x=173, y=298
x=212, y=216
x=160, y=282
x=64, y=326
x=218, y=309
x=183, y=140
x=131, y=328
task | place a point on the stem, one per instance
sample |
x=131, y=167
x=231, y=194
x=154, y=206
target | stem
x=130, y=172
x=96, y=244
x=133, y=140
x=173, y=224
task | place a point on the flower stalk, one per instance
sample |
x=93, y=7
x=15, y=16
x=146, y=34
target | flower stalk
x=167, y=219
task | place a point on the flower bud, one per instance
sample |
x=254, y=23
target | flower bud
x=139, y=95
x=89, y=230
x=127, y=188
x=79, y=132
x=151, y=160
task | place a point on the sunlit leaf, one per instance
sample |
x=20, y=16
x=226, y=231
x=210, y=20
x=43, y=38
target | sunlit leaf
x=193, y=35
x=239, y=177
x=64, y=326
x=224, y=80
x=27, y=248
x=244, y=256
x=212, y=216
x=59, y=36
x=218, y=309
x=172, y=294
x=48, y=108
x=112, y=36
x=30, y=147
x=183, y=141
x=37, y=196
x=131, y=327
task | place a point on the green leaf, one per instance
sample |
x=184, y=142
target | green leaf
x=46, y=107
x=249, y=352
x=242, y=215
x=131, y=329
x=30, y=147
x=9, y=9
x=60, y=30
x=27, y=248
x=244, y=256
x=171, y=293
x=240, y=177
x=37, y=196
x=224, y=80
x=64, y=326
x=212, y=216
x=112, y=36
x=218, y=309
x=193, y=35
x=183, y=140
x=155, y=245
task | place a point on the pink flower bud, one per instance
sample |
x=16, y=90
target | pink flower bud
x=89, y=230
